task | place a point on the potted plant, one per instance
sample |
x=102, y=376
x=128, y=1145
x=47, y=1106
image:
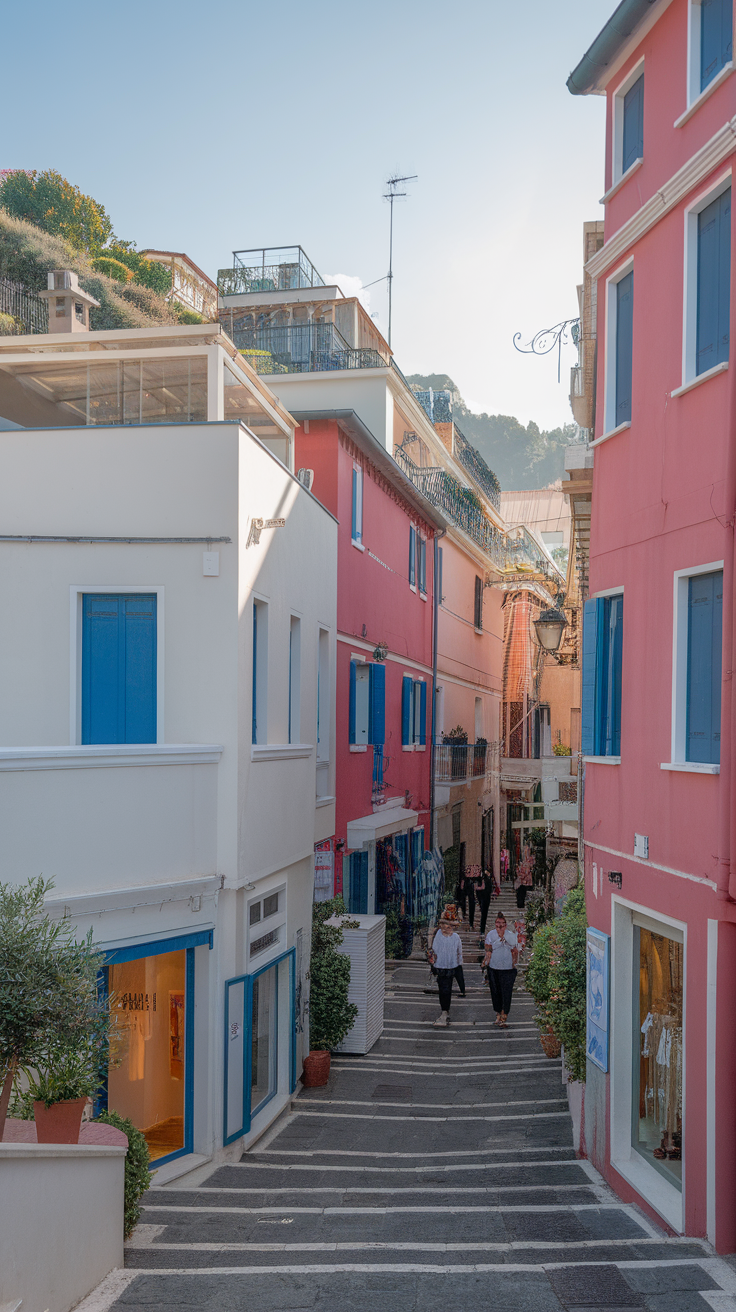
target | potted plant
x=330, y=1013
x=60, y=1089
x=49, y=1001
x=555, y=978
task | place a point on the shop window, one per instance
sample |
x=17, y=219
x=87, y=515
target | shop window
x=658, y=1052
x=149, y=1085
x=264, y=1038
x=119, y=668
x=602, y=675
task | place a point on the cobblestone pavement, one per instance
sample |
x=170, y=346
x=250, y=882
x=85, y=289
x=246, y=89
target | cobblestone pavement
x=437, y=1172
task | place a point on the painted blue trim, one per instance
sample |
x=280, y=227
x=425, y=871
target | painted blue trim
x=173, y=944
x=237, y=1134
x=292, y=1021
x=189, y=1054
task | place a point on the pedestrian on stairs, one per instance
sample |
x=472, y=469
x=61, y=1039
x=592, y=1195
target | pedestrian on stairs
x=502, y=954
x=446, y=955
x=483, y=898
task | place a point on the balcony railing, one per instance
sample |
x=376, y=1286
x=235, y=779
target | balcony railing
x=459, y=761
x=477, y=468
x=300, y=348
x=268, y=269
x=29, y=311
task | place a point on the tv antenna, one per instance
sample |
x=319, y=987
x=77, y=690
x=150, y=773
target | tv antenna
x=391, y=195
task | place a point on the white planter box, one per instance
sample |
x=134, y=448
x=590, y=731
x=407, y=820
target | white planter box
x=366, y=948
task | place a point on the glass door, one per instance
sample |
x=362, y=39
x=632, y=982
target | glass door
x=264, y=1038
x=657, y=1084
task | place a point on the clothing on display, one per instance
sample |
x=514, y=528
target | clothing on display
x=657, y=1131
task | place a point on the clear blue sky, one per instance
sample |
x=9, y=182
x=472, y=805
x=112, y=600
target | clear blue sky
x=212, y=127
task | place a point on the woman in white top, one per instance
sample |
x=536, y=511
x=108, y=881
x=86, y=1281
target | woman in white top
x=502, y=954
x=446, y=956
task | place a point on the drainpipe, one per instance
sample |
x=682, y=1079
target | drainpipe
x=726, y=878
x=439, y=533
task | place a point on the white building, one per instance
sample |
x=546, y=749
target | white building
x=167, y=641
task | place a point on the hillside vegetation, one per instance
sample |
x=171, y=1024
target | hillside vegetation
x=521, y=458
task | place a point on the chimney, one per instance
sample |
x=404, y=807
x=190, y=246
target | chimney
x=69, y=306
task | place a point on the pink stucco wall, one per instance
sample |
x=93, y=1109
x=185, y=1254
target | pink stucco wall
x=658, y=507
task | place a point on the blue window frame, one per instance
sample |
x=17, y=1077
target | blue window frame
x=716, y=38
x=633, y=141
x=238, y=1052
x=624, y=347
x=377, y=704
x=412, y=555
x=358, y=887
x=704, y=630
x=357, y=507
x=714, y=283
x=175, y=943
x=602, y=676
x=422, y=565
x=119, y=668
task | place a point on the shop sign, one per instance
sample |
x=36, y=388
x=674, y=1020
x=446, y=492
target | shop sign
x=597, y=971
x=324, y=870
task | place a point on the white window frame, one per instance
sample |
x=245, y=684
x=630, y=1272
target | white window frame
x=690, y=284
x=665, y=1198
x=693, y=94
x=276, y=921
x=324, y=702
x=362, y=676
x=357, y=541
x=416, y=714
x=678, y=758
x=617, y=121
x=609, y=399
x=76, y=593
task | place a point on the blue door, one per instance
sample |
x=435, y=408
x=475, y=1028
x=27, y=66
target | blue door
x=119, y=668
x=358, y=890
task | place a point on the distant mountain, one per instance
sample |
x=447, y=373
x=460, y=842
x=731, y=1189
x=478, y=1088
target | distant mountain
x=521, y=458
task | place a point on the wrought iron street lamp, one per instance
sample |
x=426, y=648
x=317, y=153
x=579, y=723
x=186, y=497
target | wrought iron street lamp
x=550, y=627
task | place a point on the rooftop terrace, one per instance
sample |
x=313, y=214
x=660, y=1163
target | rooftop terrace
x=268, y=269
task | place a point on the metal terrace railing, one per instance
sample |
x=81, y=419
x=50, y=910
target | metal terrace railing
x=456, y=761
x=476, y=466
x=299, y=348
x=28, y=309
x=268, y=269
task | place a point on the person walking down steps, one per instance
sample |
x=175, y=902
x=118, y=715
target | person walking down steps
x=501, y=956
x=446, y=955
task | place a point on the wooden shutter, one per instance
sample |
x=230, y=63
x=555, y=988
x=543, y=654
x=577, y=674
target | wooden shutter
x=714, y=283
x=613, y=613
x=407, y=688
x=624, y=347
x=633, y=143
x=412, y=555
x=716, y=38
x=704, y=630
x=422, y=714
x=119, y=668
x=478, y=607
x=422, y=565
x=351, y=712
x=377, y=704
x=588, y=702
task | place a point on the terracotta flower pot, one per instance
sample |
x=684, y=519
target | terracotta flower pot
x=316, y=1070
x=59, y=1123
x=550, y=1045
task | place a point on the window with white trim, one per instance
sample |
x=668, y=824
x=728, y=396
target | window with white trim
x=357, y=506
x=295, y=679
x=696, y=673
x=628, y=123
x=619, y=348
x=707, y=290
x=260, y=672
x=710, y=43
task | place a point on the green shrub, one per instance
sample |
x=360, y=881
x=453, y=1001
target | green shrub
x=555, y=978
x=330, y=1013
x=536, y=913
x=137, y=1174
x=58, y=207
x=8, y=326
x=148, y=273
x=561, y=749
x=113, y=268
x=186, y=316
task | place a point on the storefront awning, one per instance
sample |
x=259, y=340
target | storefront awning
x=392, y=820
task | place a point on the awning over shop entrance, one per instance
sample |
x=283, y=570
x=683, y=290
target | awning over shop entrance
x=392, y=820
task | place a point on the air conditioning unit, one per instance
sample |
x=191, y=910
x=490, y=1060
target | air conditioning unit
x=306, y=478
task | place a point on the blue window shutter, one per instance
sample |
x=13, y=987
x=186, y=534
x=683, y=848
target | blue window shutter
x=716, y=38
x=422, y=714
x=140, y=668
x=412, y=555
x=714, y=283
x=705, y=610
x=624, y=347
x=358, y=893
x=351, y=734
x=588, y=698
x=616, y=631
x=119, y=668
x=422, y=565
x=354, y=528
x=407, y=686
x=377, y=704
x=633, y=143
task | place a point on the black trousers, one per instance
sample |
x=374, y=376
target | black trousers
x=502, y=986
x=459, y=976
x=521, y=893
x=444, y=983
x=484, y=902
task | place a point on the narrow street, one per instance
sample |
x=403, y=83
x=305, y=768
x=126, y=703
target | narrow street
x=437, y=1171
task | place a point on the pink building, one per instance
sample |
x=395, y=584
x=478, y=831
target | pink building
x=658, y=727
x=385, y=616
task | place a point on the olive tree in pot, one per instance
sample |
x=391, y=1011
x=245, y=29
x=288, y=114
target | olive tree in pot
x=330, y=1013
x=54, y=1026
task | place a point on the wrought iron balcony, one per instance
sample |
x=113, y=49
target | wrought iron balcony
x=455, y=762
x=477, y=468
x=274, y=269
x=300, y=348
